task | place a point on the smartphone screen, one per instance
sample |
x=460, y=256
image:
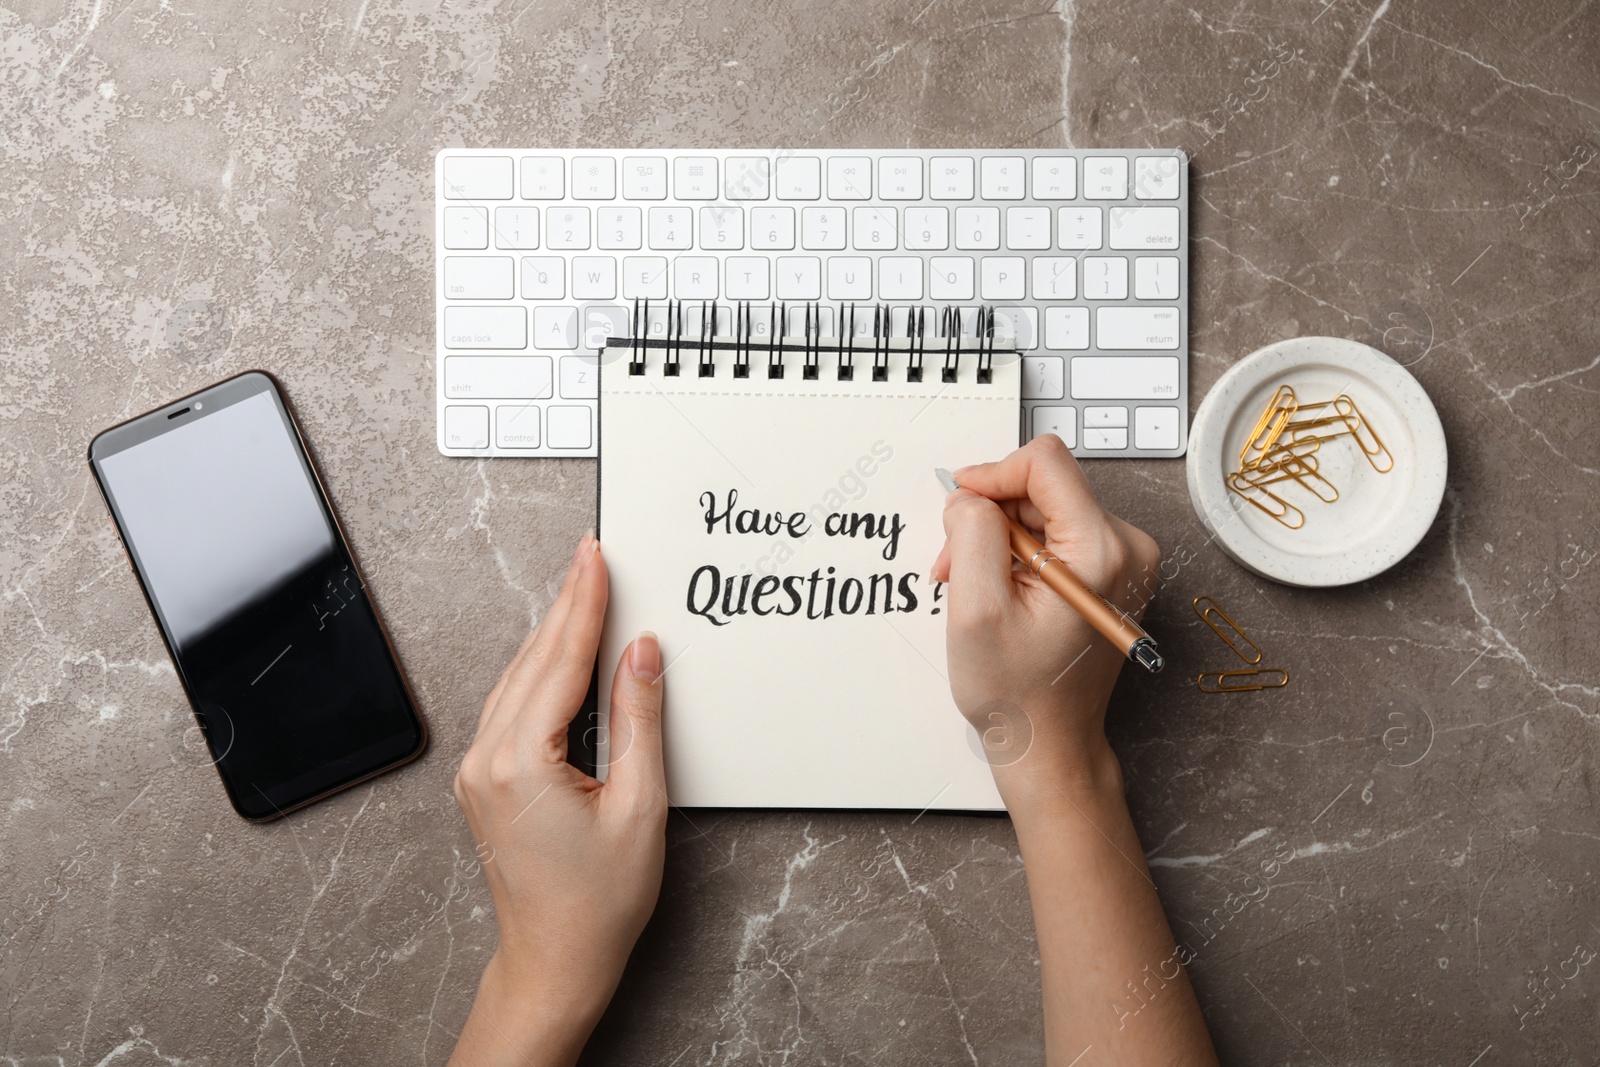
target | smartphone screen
x=263, y=609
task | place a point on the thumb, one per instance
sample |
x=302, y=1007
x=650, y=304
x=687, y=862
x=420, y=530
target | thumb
x=635, y=766
x=979, y=550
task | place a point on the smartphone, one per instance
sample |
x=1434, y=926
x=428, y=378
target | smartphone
x=263, y=609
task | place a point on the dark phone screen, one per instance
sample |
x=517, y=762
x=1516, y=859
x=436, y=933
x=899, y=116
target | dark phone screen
x=274, y=636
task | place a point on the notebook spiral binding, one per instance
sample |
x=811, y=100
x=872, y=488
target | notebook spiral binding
x=846, y=345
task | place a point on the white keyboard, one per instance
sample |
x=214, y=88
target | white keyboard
x=541, y=255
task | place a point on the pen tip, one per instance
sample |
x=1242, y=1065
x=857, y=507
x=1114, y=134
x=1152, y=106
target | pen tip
x=946, y=479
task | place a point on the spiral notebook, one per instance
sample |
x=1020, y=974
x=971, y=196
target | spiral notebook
x=768, y=507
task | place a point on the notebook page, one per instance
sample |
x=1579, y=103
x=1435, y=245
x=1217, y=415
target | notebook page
x=777, y=535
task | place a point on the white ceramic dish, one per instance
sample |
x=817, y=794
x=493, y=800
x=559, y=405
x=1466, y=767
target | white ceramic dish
x=1377, y=518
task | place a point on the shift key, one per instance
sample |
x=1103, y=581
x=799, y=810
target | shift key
x=468, y=326
x=507, y=377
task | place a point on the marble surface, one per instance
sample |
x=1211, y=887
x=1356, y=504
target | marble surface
x=193, y=188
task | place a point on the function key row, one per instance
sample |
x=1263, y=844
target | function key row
x=837, y=177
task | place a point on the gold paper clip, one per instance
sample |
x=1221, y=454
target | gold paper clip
x=1278, y=414
x=1291, y=468
x=1213, y=608
x=1220, y=680
x=1359, y=423
x=1285, y=512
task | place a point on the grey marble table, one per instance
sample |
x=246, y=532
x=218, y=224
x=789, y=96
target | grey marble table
x=191, y=188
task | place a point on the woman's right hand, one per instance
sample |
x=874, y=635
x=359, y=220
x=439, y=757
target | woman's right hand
x=1025, y=669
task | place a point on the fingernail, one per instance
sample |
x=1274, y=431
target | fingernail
x=583, y=544
x=644, y=657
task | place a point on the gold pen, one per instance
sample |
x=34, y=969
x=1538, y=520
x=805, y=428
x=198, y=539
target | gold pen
x=1113, y=623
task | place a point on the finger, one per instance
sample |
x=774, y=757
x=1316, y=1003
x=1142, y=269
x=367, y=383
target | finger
x=980, y=552
x=547, y=685
x=636, y=771
x=567, y=670
x=526, y=662
x=1043, y=473
x=940, y=571
x=500, y=684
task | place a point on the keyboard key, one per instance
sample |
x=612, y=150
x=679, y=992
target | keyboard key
x=977, y=227
x=619, y=227
x=470, y=377
x=1137, y=328
x=1105, y=278
x=516, y=227
x=1155, y=278
x=928, y=228
x=644, y=178
x=1079, y=227
x=822, y=228
x=594, y=178
x=466, y=427
x=748, y=277
x=1155, y=178
x=950, y=278
x=877, y=228
x=516, y=426
x=1105, y=177
x=1028, y=228
x=950, y=177
x=466, y=227
x=900, y=178
x=542, y=178
x=1124, y=377
x=759, y=322
x=799, y=178
x=695, y=277
x=849, y=178
x=644, y=278
x=1003, y=177
x=722, y=227
x=821, y=317
x=603, y=321
x=1023, y=325
x=580, y=378
x=1105, y=416
x=466, y=326
x=1044, y=378
x=900, y=278
x=567, y=228
x=1055, y=177
x=1059, y=420
x=1156, y=427
x=555, y=327
x=568, y=426
x=1055, y=278
x=694, y=317
x=849, y=278
x=1105, y=438
x=799, y=278
x=1144, y=227
x=477, y=178
x=694, y=178
x=1066, y=328
x=594, y=278
x=747, y=178
x=671, y=228
x=477, y=278
x=1003, y=277
x=772, y=228
x=544, y=278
